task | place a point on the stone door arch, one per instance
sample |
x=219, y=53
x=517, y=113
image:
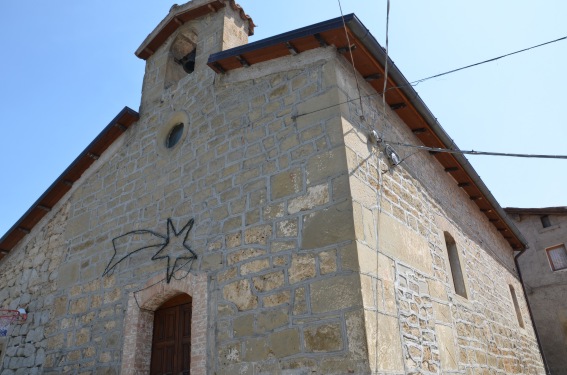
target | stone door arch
x=139, y=320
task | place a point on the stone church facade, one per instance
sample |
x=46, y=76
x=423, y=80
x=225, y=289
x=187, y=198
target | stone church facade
x=250, y=187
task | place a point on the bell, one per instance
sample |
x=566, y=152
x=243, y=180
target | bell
x=188, y=62
x=189, y=67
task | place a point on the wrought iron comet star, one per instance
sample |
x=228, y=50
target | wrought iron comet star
x=172, y=247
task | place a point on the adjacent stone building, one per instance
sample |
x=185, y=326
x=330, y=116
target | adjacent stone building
x=544, y=272
x=258, y=215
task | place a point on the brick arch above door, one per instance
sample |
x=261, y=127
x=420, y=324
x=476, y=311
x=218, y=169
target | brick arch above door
x=138, y=324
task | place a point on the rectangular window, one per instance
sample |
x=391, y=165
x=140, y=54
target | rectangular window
x=455, y=264
x=557, y=256
x=545, y=222
x=516, y=306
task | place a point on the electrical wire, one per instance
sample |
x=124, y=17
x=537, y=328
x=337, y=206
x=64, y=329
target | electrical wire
x=352, y=61
x=415, y=83
x=473, y=152
x=386, y=58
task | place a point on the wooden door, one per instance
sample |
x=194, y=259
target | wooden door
x=171, y=341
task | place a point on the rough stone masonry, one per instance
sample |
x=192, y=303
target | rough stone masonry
x=315, y=256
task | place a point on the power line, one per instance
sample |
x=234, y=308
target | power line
x=473, y=152
x=415, y=83
x=486, y=61
x=352, y=60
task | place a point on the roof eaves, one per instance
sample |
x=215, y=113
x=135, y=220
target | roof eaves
x=180, y=14
x=561, y=210
x=281, y=38
x=64, y=182
x=404, y=85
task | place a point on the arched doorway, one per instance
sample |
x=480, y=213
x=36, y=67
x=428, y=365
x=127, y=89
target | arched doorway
x=171, y=339
x=139, y=321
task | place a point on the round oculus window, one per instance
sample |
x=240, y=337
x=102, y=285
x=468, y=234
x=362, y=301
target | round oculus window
x=174, y=136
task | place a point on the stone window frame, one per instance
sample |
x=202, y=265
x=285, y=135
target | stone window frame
x=516, y=306
x=164, y=130
x=139, y=321
x=454, y=256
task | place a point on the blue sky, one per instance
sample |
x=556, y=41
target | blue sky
x=68, y=67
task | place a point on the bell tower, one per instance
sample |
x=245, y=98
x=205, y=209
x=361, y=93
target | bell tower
x=181, y=43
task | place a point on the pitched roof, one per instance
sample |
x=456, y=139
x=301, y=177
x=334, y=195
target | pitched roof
x=180, y=14
x=65, y=181
x=562, y=210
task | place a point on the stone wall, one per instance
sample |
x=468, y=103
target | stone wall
x=545, y=287
x=401, y=214
x=29, y=280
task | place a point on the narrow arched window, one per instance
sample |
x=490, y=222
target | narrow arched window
x=516, y=306
x=171, y=340
x=455, y=265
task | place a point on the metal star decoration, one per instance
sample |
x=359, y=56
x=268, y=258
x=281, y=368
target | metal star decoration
x=172, y=247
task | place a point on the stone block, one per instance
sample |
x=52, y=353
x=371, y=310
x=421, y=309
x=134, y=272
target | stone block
x=256, y=349
x=278, y=246
x=240, y=293
x=323, y=166
x=79, y=306
x=327, y=262
x=342, y=365
x=286, y=183
x=336, y=293
x=367, y=259
x=400, y=242
x=316, y=196
x=258, y=235
x=323, y=338
x=268, y=282
x=362, y=192
x=349, y=257
x=329, y=226
x=442, y=312
x=60, y=306
x=437, y=290
x=69, y=274
x=211, y=262
x=385, y=342
x=269, y=320
x=447, y=348
x=386, y=268
x=287, y=228
x=318, y=109
x=299, y=302
x=254, y=266
x=244, y=254
x=356, y=334
x=367, y=284
x=273, y=211
x=243, y=325
x=77, y=225
x=277, y=299
x=233, y=240
x=229, y=354
x=285, y=343
x=302, y=268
